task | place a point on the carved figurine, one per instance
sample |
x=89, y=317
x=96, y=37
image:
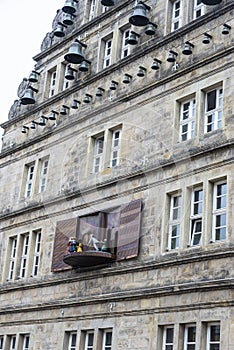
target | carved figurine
x=72, y=245
x=93, y=242
x=79, y=248
x=104, y=246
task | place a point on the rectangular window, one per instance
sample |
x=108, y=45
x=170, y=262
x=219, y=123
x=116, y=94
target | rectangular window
x=125, y=46
x=219, y=211
x=29, y=181
x=13, y=243
x=72, y=341
x=43, y=175
x=52, y=83
x=89, y=338
x=196, y=217
x=107, y=53
x=36, y=258
x=174, y=222
x=187, y=120
x=98, y=153
x=13, y=342
x=213, y=336
x=168, y=338
x=213, y=110
x=1, y=342
x=26, y=342
x=199, y=9
x=115, y=148
x=92, y=9
x=107, y=340
x=24, y=256
x=190, y=337
x=176, y=15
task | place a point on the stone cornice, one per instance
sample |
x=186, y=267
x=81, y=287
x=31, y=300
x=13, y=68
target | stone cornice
x=130, y=295
x=165, y=261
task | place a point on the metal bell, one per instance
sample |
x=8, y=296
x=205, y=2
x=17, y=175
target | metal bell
x=28, y=98
x=33, y=77
x=24, y=129
x=75, y=54
x=68, y=19
x=69, y=73
x=107, y=2
x=75, y=104
x=172, y=56
x=87, y=98
x=150, y=29
x=139, y=18
x=33, y=125
x=156, y=64
x=64, y=110
x=127, y=78
x=53, y=115
x=84, y=66
x=42, y=120
x=99, y=92
x=69, y=7
x=211, y=2
x=207, y=38
x=132, y=40
x=141, y=71
x=187, y=49
x=59, y=30
x=226, y=29
x=113, y=85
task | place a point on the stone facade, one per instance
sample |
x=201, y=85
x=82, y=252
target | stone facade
x=173, y=284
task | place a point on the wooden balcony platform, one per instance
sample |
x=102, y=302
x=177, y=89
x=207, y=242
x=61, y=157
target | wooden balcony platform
x=88, y=258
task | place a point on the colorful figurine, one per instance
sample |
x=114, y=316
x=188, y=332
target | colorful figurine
x=104, y=246
x=93, y=242
x=79, y=248
x=72, y=245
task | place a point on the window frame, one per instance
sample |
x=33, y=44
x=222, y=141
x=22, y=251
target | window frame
x=218, y=211
x=43, y=175
x=125, y=48
x=36, y=255
x=71, y=345
x=92, y=10
x=24, y=256
x=29, y=180
x=176, y=18
x=87, y=336
x=12, y=342
x=188, y=342
x=98, y=156
x=26, y=341
x=174, y=222
x=1, y=342
x=13, y=257
x=189, y=121
x=216, y=113
x=210, y=342
x=107, y=59
x=115, y=149
x=196, y=218
x=165, y=343
x=52, y=82
x=106, y=346
x=198, y=7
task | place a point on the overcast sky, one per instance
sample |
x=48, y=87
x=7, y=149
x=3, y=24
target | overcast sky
x=23, y=26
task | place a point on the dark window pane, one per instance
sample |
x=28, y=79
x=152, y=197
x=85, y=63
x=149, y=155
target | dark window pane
x=211, y=100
